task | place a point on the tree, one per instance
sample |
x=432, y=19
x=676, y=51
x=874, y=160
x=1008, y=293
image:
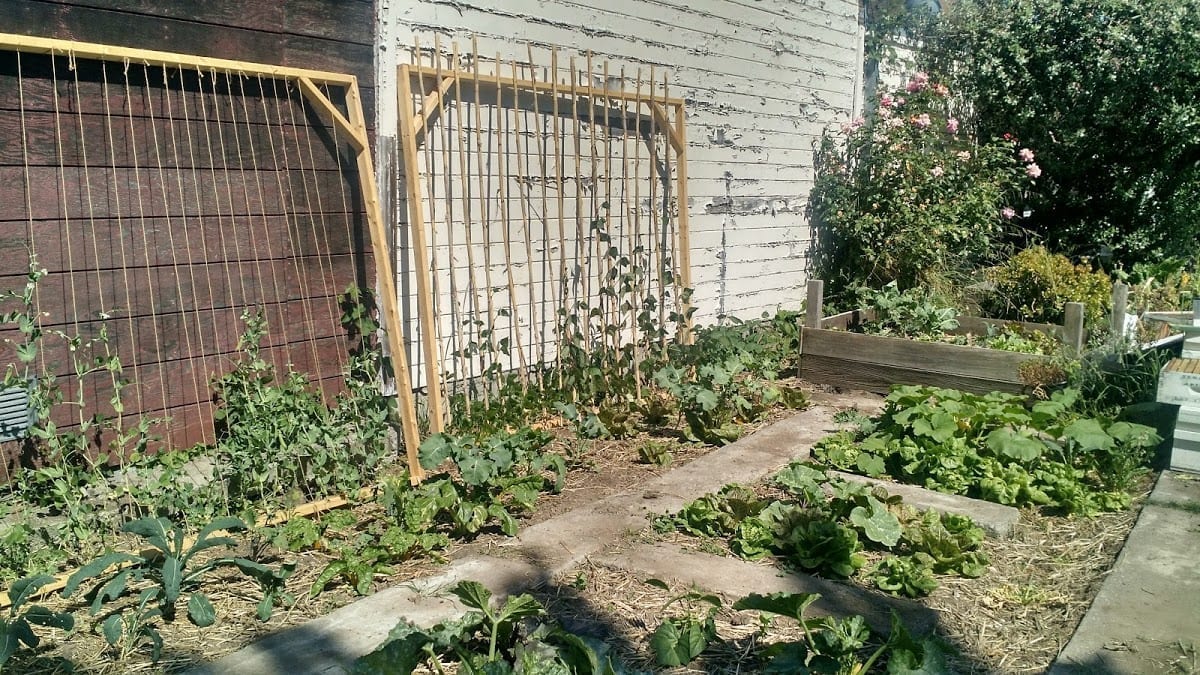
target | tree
x=1106, y=90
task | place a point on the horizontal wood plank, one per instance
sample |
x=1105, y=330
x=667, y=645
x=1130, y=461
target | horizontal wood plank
x=851, y=374
x=932, y=357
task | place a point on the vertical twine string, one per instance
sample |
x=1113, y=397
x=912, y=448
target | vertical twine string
x=278, y=298
x=564, y=305
x=231, y=224
x=122, y=242
x=628, y=231
x=523, y=196
x=321, y=232
x=347, y=215
x=287, y=198
x=62, y=189
x=453, y=346
x=166, y=210
x=201, y=384
x=150, y=293
x=501, y=134
x=202, y=229
x=28, y=190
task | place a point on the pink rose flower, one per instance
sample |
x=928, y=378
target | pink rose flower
x=937, y=171
x=921, y=121
x=1008, y=213
x=1033, y=171
x=901, y=101
x=1026, y=155
x=917, y=82
x=886, y=100
x=941, y=90
x=952, y=125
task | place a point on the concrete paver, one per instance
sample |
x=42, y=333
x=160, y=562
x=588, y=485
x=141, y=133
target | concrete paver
x=1147, y=613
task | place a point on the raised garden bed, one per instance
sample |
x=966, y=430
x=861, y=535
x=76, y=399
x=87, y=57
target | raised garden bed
x=830, y=353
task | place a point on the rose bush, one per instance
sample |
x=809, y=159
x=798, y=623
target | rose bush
x=906, y=196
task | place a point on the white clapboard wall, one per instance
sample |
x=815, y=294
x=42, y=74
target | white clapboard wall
x=762, y=79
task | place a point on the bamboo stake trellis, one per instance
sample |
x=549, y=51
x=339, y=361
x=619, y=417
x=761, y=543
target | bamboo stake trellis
x=234, y=135
x=538, y=147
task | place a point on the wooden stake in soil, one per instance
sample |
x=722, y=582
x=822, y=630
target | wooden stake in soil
x=523, y=195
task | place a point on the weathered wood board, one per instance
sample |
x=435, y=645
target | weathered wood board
x=875, y=363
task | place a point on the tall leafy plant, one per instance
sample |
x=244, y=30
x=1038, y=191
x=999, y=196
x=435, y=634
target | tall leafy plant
x=1105, y=89
x=907, y=195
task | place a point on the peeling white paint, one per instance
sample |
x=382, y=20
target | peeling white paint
x=762, y=79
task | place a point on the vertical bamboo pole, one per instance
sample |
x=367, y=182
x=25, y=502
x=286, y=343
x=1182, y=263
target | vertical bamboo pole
x=416, y=224
x=614, y=229
x=685, y=231
x=548, y=286
x=656, y=238
x=427, y=114
x=522, y=195
x=581, y=245
x=596, y=257
x=628, y=232
x=565, y=309
x=485, y=210
x=641, y=253
x=453, y=341
x=464, y=171
x=502, y=153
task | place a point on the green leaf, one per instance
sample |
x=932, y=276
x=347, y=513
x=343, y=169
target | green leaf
x=519, y=607
x=95, y=568
x=399, y=656
x=1007, y=442
x=870, y=465
x=1088, y=435
x=45, y=617
x=791, y=605
x=435, y=450
x=23, y=589
x=1136, y=435
x=877, y=522
x=110, y=590
x=474, y=595
x=112, y=627
x=706, y=399
x=154, y=530
x=172, y=579
x=677, y=641
x=476, y=469
x=201, y=611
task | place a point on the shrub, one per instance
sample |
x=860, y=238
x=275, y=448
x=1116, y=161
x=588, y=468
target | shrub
x=1105, y=89
x=1036, y=285
x=905, y=196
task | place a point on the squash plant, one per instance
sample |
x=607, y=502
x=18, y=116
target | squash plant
x=999, y=447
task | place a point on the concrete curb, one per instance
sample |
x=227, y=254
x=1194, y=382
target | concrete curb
x=1149, y=605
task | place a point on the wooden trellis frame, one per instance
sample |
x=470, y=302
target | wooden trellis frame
x=352, y=124
x=518, y=88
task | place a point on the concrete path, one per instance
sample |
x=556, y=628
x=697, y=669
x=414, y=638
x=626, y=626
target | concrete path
x=1146, y=618
x=330, y=644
